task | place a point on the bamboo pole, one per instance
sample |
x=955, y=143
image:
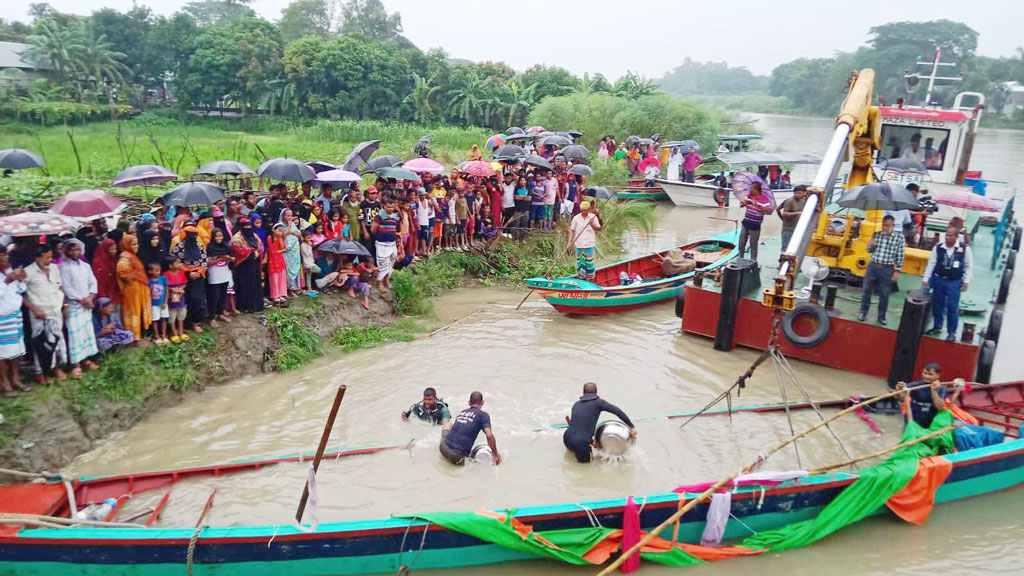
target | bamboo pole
x=320, y=449
x=568, y=248
x=892, y=448
x=721, y=483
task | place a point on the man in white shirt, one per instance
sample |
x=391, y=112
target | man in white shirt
x=79, y=286
x=915, y=152
x=947, y=274
x=508, y=199
x=583, y=237
x=45, y=302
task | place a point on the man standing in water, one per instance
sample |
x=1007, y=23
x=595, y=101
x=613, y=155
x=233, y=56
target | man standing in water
x=457, y=442
x=430, y=409
x=579, y=436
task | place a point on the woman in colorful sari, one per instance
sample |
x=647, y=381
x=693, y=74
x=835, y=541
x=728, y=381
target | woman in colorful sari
x=247, y=250
x=136, y=306
x=104, y=267
x=107, y=324
x=192, y=254
x=277, y=273
x=292, y=256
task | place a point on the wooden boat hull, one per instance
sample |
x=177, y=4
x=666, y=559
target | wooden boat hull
x=697, y=194
x=571, y=296
x=655, y=194
x=383, y=546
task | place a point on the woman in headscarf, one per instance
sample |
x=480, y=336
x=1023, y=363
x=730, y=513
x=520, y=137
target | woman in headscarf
x=220, y=222
x=292, y=256
x=104, y=267
x=277, y=273
x=257, y=228
x=110, y=332
x=192, y=254
x=150, y=251
x=218, y=275
x=474, y=153
x=248, y=252
x=136, y=306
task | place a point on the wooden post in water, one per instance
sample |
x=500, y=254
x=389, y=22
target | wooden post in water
x=320, y=449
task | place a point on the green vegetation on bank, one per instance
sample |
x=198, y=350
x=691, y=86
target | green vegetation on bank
x=297, y=343
x=352, y=338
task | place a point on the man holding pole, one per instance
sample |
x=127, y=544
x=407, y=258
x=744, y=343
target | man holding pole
x=582, y=236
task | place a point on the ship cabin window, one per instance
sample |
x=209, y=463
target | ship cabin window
x=926, y=145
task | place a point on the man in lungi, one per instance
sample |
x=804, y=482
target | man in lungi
x=385, y=233
x=582, y=235
x=45, y=302
x=80, y=288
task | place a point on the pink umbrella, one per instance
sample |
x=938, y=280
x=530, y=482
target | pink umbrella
x=423, y=166
x=478, y=168
x=338, y=176
x=533, y=129
x=87, y=205
x=649, y=161
x=967, y=200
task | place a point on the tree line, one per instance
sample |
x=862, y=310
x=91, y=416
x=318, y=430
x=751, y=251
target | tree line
x=321, y=59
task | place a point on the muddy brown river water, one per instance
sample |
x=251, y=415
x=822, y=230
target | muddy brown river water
x=530, y=365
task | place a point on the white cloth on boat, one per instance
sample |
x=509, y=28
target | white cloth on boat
x=718, y=517
x=311, y=503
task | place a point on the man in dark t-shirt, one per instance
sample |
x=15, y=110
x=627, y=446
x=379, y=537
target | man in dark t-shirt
x=579, y=436
x=457, y=442
x=925, y=403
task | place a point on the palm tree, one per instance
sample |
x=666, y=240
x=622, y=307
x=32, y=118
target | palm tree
x=517, y=98
x=57, y=46
x=101, y=65
x=467, y=102
x=423, y=91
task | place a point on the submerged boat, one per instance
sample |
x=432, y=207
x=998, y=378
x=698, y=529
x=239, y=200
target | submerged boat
x=711, y=192
x=607, y=294
x=652, y=193
x=450, y=540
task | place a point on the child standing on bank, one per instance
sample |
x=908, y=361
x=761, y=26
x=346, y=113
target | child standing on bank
x=176, y=309
x=158, y=301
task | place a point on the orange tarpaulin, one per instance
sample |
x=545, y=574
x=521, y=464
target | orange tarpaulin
x=914, y=502
x=613, y=542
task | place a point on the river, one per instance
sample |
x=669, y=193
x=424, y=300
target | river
x=530, y=364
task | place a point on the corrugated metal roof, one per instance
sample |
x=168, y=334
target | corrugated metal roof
x=11, y=56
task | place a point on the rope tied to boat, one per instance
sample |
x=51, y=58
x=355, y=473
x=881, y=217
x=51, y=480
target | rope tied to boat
x=190, y=554
x=52, y=476
x=403, y=568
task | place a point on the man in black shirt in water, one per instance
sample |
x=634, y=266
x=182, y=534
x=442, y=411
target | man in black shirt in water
x=457, y=441
x=579, y=437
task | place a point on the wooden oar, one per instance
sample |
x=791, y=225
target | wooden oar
x=568, y=248
x=893, y=448
x=721, y=483
x=320, y=449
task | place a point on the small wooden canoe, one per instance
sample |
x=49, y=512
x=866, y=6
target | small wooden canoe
x=652, y=193
x=606, y=295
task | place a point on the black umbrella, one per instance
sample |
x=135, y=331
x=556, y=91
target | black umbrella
x=599, y=192
x=632, y=140
x=903, y=165
x=286, y=170
x=524, y=137
x=556, y=140
x=229, y=167
x=538, y=162
x=342, y=246
x=879, y=196
x=361, y=153
x=511, y=130
x=374, y=164
x=143, y=175
x=319, y=166
x=19, y=159
x=574, y=133
x=582, y=170
x=575, y=152
x=509, y=151
x=193, y=194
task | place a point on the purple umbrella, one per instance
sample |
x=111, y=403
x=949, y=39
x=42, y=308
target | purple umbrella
x=742, y=182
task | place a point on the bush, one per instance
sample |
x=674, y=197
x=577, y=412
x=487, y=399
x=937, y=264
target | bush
x=61, y=111
x=297, y=343
x=370, y=336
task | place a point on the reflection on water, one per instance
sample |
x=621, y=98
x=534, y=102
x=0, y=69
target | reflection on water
x=530, y=365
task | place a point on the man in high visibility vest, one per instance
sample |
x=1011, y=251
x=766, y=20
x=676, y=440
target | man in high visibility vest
x=947, y=274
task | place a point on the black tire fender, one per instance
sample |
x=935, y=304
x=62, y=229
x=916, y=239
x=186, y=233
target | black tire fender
x=819, y=314
x=1004, y=286
x=1011, y=260
x=721, y=196
x=995, y=325
x=986, y=358
x=680, y=302
x=1017, y=232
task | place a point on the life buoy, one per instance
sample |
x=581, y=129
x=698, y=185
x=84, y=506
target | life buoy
x=818, y=314
x=995, y=325
x=985, y=360
x=1004, y=286
x=1011, y=260
x=721, y=196
x=1016, y=238
x=680, y=302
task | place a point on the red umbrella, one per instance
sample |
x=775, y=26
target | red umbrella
x=534, y=129
x=87, y=205
x=649, y=161
x=478, y=168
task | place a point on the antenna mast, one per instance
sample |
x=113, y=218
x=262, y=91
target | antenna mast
x=934, y=75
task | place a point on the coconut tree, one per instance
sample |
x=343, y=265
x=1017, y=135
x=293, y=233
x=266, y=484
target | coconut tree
x=100, y=65
x=57, y=46
x=423, y=93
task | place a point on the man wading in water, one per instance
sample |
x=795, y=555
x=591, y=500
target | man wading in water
x=457, y=442
x=430, y=409
x=579, y=437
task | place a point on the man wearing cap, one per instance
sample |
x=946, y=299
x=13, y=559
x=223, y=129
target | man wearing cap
x=368, y=211
x=582, y=236
x=80, y=287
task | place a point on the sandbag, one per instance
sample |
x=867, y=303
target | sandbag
x=677, y=262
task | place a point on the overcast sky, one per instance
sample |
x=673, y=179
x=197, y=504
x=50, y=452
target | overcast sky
x=651, y=36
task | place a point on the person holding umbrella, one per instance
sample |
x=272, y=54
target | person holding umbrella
x=757, y=204
x=582, y=235
x=947, y=274
x=886, y=248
